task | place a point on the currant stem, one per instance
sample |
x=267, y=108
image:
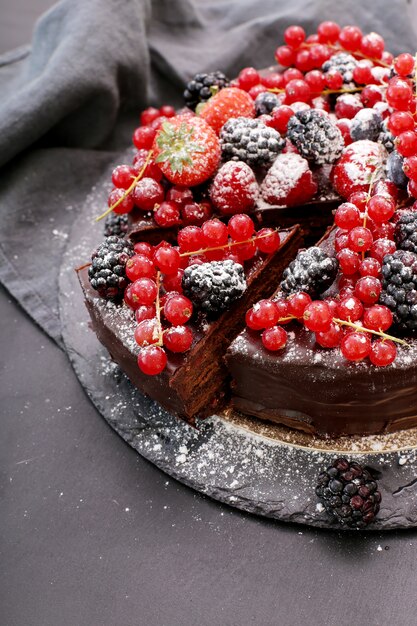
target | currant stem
x=230, y=244
x=354, y=53
x=368, y=330
x=129, y=190
x=160, y=341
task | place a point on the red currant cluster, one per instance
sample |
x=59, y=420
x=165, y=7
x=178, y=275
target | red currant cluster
x=155, y=293
x=364, y=235
x=305, y=56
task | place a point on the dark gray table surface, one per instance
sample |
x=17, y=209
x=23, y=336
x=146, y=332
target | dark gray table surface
x=91, y=534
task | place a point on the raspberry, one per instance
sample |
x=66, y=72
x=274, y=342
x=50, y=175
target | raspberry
x=234, y=188
x=229, y=102
x=289, y=181
x=349, y=493
x=250, y=141
x=187, y=150
x=356, y=166
x=315, y=136
x=202, y=87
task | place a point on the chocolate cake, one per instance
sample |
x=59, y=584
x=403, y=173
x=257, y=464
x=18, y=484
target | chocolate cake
x=194, y=383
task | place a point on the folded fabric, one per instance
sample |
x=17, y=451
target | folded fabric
x=70, y=102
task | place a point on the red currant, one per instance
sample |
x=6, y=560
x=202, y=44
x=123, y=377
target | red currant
x=377, y=317
x=348, y=261
x=147, y=332
x=167, y=259
x=265, y=314
x=317, y=316
x=355, y=346
x=147, y=193
x=404, y=64
x=350, y=38
x=399, y=94
x=149, y=115
x=381, y=247
x=350, y=309
x=399, y=122
x=173, y=282
x=381, y=209
x=140, y=266
x=196, y=214
x=347, y=216
x=334, y=79
x=241, y=227
x=143, y=291
x=406, y=143
x=167, y=215
x=370, y=267
x=152, y=360
x=297, y=303
x=126, y=204
x=330, y=338
x=297, y=91
x=368, y=289
x=214, y=233
x=167, y=111
x=294, y=36
x=144, y=248
x=178, y=338
x=360, y=239
x=143, y=137
x=285, y=56
x=328, y=32
x=145, y=312
x=362, y=74
x=274, y=338
x=267, y=240
x=383, y=352
x=190, y=239
x=372, y=45
x=178, y=309
x=248, y=77
x=122, y=176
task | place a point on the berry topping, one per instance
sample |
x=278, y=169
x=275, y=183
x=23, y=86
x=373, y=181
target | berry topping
x=343, y=63
x=107, y=272
x=359, y=162
x=234, y=188
x=399, y=284
x=202, y=87
x=349, y=494
x=265, y=103
x=405, y=234
x=315, y=136
x=289, y=181
x=152, y=360
x=187, y=150
x=367, y=124
x=213, y=287
x=115, y=225
x=229, y=102
x=312, y=271
x=249, y=140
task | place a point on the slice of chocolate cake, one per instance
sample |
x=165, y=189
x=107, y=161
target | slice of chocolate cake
x=194, y=383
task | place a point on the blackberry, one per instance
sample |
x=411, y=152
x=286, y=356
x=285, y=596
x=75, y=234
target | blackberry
x=342, y=62
x=116, y=224
x=367, y=124
x=386, y=138
x=349, y=493
x=405, y=233
x=399, y=287
x=199, y=89
x=394, y=168
x=265, y=103
x=315, y=136
x=249, y=140
x=312, y=271
x=107, y=273
x=213, y=287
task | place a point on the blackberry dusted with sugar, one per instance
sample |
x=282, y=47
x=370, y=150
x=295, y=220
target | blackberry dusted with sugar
x=367, y=124
x=249, y=140
x=312, y=271
x=213, y=287
x=107, y=272
x=315, y=136
x=343, y=63
x=349, y=493
x=399, y=287
x=202, y=87
x=116, y=224
x=405, y=233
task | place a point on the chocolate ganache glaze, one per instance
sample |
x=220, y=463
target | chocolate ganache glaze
x=317, y=390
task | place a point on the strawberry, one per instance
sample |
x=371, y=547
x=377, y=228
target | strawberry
x=229, y=102
x=289, y=182
x=357, y=165
x=187, y=150
x=234, y=188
